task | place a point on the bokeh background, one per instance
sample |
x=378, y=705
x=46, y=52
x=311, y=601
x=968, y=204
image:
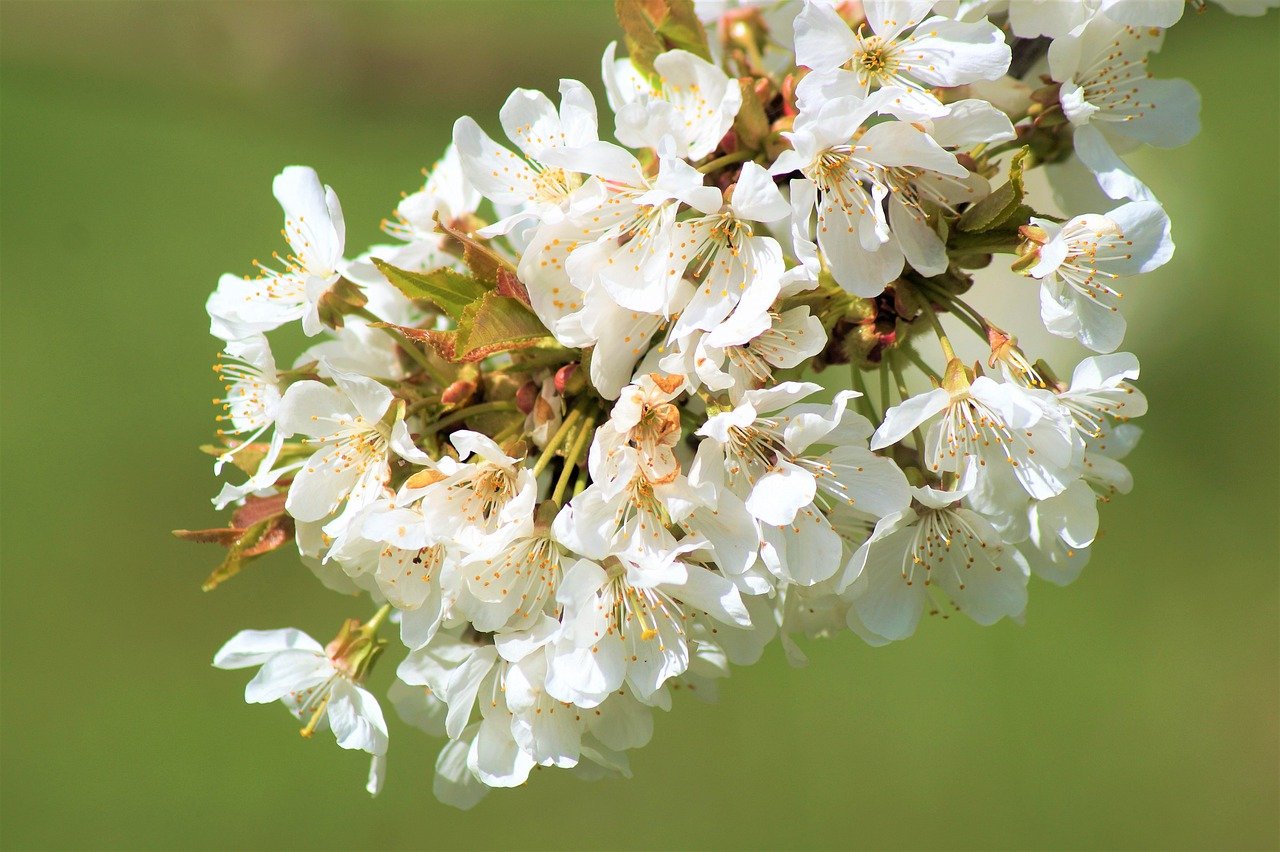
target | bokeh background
x=1136, y=709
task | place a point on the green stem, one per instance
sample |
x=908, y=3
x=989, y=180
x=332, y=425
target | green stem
x=859, y=384
x=916, y=437
x=962, y=310
x=884, y=382
x=727, y=160
x=920, y=364
x=470, y=411
x=571, y=458
x=943, y=340
x=554, y=442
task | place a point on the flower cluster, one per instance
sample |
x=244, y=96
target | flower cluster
x=562, y=429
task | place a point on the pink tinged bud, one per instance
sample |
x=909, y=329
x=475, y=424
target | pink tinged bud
x=527, y=397
x=564, y=376
x=460, y=391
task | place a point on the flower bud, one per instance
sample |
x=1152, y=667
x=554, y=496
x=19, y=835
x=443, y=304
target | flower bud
x=526, y=396
x=458, y=393
x=570, y=380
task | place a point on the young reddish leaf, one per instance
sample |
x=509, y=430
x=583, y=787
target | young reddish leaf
x=256, y=509
x=226, y=536
x=498, y=323
x=483, y=261
x=510, y=285
x=443, y=343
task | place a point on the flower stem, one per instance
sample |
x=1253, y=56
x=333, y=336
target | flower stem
x=916, y=437
x=727, y=160
x=470, y=411
x=920, y=364
x=943, y=340
x=962, y=310
x=571, y=457
x=859, y=383
x=554, y=442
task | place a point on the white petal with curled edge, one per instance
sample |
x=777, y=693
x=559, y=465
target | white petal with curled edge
x=577, y=114
x=1106, y=371
x=494, y=756
x=874, y=484
x=356, y=718
x=311, y=408
x=956, y=52
x=255, y=647
x=1146, y=226
x=899, y=143
x=888, y=602
x=464, y=683
x=530, y=121
x=321, y=484
x=714, y=595
x=920, y=243
x=309, y=225
x=586, y=674
x=757, y=197
x=286, y=672
x=454, y=783
x=777, y=397
x=806, y=551
x=495, y=171
x=371, y=399
x=900, y=420
x=780, y=493
x=1115, y=178
x=823, y=40
x=515, y=646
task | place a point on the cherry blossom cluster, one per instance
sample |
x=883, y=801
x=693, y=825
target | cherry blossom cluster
x=563, y=428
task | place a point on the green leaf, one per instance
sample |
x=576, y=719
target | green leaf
x=682, y=30
x=484, y=263
x=652, y=27
x=996, y=209
x=1002, y=239
x=639, y=21
x=498, y=323
x=448, y=289
x=491, y=324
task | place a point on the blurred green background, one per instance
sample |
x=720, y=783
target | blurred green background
x=1136, y=709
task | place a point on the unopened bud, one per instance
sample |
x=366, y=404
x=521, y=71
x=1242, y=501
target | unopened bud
x=526, y=396
x=569, y=379
x=542, y=411
x=458, y=392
